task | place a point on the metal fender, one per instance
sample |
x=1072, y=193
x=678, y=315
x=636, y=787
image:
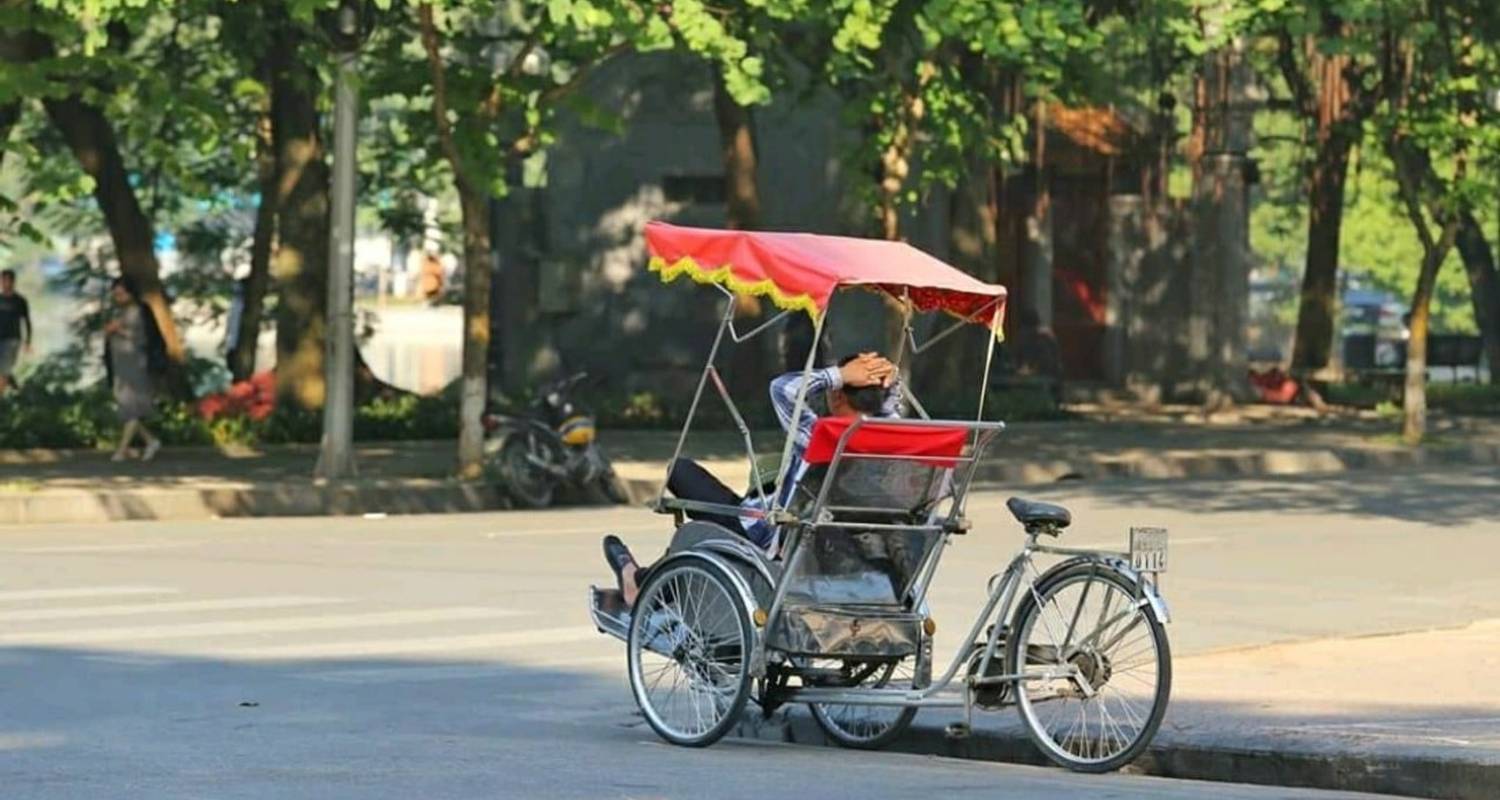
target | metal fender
x=1152, y=597
x=746, y=595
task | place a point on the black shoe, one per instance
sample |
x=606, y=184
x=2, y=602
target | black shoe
x=618, y=556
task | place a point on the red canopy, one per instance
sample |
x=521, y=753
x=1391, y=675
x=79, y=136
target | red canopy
x=802, y=270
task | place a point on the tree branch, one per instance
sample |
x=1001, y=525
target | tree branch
x=583, y=72
x=1291, y=71
x=492, y=100
x=432, y=45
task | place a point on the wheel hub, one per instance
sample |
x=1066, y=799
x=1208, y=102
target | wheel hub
x=1094, y=668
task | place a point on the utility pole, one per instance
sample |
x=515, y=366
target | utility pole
x=336, y=459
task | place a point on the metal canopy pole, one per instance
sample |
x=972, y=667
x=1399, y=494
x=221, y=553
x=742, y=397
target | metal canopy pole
x=989, y=358
x=687, y=424
x=791, y=433
x=336, y=459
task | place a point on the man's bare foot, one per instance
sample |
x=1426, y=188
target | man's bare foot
x=627, y=584
x=623, y=564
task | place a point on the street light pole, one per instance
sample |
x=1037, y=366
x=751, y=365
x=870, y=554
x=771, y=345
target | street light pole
x=336, y=459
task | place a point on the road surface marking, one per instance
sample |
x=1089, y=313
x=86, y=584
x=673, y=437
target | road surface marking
x=450, y=672
x=597, y=530
x=70, y=549
x=255, y=626
x=82, y=591
x=417, y=646
x=133, y=609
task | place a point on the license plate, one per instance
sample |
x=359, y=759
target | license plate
x=1148, y=549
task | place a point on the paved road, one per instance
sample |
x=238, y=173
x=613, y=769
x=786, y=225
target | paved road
x=451, y=657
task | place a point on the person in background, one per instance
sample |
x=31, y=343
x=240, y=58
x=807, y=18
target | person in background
x=15, y=315
x=127, y=345
x=1034, y=358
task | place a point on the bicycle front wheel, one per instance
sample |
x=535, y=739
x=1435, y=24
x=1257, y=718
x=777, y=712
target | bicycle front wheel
x=1099, y=667
x=688, y=653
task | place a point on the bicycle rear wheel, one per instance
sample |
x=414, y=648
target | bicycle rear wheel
x=863, y=727
x=1110, y=665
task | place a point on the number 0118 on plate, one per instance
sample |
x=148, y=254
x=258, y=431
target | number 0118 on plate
x=1148, y=549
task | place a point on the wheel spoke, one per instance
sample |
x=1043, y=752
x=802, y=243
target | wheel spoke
x=1109, y=642
x=689, y=653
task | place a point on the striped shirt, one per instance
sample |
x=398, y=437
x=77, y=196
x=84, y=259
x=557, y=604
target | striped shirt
x=784, y=391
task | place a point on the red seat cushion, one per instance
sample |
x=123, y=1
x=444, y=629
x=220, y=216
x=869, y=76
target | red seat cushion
x=885, y=439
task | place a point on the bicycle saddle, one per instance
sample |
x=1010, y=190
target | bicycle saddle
x=1032, y=512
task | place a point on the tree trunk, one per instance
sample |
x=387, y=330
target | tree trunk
x=737, y=146
x=1484, y=286
x=1318, y=307
x=242, y=358
x=475, y=211
x=10, y=114
x=1414, y=399
x=1329, y=91
x=1413, y=167
x=92, y=140
x=748, y=374
x=476, y=333
x=300, y=265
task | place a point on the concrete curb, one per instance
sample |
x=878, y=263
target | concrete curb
x=212, y=500
x=248, y=500
x=1189, y=465
x=1405, y=775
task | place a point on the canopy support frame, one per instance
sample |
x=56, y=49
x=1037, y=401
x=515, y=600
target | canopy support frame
x=687, y=424
x=918, y=349
x=741, y=338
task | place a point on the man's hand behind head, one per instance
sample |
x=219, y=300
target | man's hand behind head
x=866, y=369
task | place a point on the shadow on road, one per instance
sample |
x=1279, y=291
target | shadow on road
x=1454, y=496
x=92, y=724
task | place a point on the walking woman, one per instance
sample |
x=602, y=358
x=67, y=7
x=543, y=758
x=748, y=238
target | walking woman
x=127, y=347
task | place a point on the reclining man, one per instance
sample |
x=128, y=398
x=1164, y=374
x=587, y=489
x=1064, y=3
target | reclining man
x=865, y=383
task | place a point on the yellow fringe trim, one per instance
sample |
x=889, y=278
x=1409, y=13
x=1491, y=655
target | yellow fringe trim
x=724, y=276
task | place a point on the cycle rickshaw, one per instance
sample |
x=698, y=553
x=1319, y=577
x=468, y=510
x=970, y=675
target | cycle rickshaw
x=838, y=617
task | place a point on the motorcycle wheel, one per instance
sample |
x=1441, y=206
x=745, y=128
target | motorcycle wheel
x=610, y=490
x=605, y=488
x=527, y=484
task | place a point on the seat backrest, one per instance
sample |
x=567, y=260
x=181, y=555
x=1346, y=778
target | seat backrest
x=879, y=468
x=871, y=494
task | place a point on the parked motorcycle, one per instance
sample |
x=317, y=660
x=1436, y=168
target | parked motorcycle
x=551, y=446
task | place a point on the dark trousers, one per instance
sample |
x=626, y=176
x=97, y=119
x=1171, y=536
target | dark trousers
x=690, y=481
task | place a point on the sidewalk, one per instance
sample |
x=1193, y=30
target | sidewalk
x=1414, y=714
x=415, y=477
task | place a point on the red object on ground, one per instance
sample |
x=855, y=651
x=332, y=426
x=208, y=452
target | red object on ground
x=802, y=270
x=1274, y=386
x=254, y=398
x=884, y=439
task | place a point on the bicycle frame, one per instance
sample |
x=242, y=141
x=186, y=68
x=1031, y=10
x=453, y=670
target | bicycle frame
x=1020, y=572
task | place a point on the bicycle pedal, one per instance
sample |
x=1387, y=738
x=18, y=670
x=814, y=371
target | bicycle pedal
x=958, y=730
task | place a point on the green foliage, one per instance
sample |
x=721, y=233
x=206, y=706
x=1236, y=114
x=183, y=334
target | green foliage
x=1465, y=398
x=39, y=415
x=1377, y=243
